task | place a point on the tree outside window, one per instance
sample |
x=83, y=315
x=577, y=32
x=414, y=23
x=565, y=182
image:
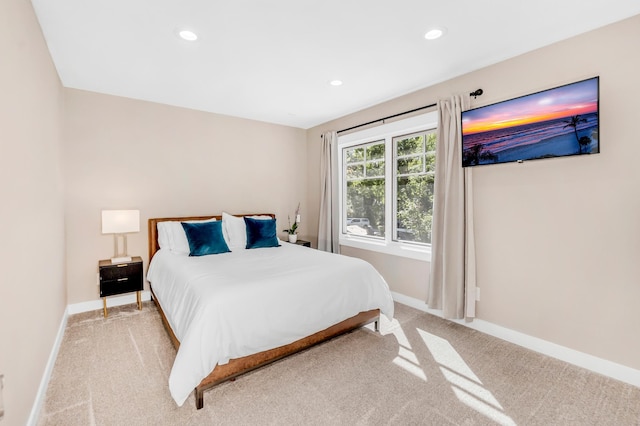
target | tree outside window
x=414, y=157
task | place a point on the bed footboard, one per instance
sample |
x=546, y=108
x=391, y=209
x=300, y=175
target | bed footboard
x=239, y=366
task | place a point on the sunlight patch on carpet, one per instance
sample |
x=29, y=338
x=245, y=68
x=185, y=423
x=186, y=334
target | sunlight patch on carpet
x=406, y=359
x=401, y=337
x=465, y=384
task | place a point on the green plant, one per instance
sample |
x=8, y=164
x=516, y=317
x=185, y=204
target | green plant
x=573, y=122
x=293, y=228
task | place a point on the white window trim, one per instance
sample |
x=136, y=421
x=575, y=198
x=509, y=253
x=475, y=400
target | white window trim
x=386, y=132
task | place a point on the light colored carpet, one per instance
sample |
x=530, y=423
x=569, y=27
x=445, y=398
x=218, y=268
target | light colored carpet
x=419, y=370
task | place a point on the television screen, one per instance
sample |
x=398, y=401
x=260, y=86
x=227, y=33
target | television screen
x=553, y=123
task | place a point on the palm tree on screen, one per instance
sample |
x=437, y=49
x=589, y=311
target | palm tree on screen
x=476, y=153
x=573, y=122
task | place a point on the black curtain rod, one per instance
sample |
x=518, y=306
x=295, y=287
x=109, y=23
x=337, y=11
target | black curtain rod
x=475, y=94
x=388, y=117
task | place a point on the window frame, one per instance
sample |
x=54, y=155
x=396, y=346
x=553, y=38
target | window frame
x=343, y=166
x=387, y=244
x=425, y=152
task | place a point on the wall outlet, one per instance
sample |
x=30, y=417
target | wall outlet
x=1, y=396
x=477, y=294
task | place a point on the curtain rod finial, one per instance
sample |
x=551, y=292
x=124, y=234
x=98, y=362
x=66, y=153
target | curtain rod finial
x=477, y=93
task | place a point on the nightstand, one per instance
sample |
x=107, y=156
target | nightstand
x=303, y=243
x=119, y=278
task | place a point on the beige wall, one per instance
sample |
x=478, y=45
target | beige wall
x=558, y=241
x=32, y=290
x=166, y=161
x=405, y=276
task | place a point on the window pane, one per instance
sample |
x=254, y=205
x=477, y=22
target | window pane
x=431, y=141
x=355, y=172
x=415, y=208
x=375, y=169
x=354, y=155
x=412, y=145
x=365, y=207
x=375, y=152
x=410, y=165
x=431, y=162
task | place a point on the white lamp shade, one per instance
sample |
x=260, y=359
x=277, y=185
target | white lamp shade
x=120, y=221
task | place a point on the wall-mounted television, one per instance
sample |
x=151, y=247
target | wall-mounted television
x=552, y=123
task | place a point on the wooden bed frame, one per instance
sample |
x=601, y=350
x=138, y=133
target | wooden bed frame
x=238, y=366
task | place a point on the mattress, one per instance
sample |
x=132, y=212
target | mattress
x=230, y=305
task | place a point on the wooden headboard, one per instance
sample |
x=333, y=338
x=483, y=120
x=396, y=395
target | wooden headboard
x=153, y=227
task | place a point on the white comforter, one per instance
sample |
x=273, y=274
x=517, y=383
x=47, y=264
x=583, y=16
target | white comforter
x=230, y=305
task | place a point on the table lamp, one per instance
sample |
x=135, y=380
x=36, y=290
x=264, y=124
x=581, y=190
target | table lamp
x=119, y=223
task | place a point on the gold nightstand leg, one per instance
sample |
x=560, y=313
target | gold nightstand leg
x=104, y=306
x=139, y=296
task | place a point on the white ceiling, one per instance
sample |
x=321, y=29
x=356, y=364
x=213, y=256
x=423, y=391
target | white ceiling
x=272, y=60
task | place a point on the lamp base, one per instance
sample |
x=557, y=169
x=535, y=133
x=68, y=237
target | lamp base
x=120, y=259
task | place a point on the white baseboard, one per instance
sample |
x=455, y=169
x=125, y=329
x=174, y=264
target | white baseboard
x=44, y=382
x=94, y=305
x=580, y=359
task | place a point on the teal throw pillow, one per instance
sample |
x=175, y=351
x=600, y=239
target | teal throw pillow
x=261, y=233
x=205, y=238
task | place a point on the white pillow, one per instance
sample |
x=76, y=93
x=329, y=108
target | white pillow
x=163, y=235
x=235, y=231
x=171, y=235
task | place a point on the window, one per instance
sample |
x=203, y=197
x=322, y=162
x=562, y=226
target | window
x=386, y=187
x=415, y=162
x=364, y=177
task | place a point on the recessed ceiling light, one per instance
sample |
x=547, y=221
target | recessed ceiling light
x=434, y=33
x=188, y=35
x=336, y=82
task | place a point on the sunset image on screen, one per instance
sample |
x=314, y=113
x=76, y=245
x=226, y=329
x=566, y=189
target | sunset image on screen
x=556, y=122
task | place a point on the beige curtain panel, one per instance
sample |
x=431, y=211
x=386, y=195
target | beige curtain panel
x=328, y=220
x=452, y=276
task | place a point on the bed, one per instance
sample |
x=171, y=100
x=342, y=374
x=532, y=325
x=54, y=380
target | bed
x=230, y=313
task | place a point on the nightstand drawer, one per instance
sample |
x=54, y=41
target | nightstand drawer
x=123, y=270
x=121, y=285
